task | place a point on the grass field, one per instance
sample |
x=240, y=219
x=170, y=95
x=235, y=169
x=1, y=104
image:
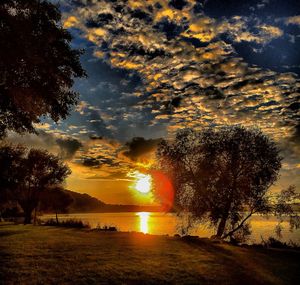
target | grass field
x=50, y=255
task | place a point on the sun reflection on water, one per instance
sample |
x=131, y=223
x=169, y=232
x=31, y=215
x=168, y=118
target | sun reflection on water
x=144, y=217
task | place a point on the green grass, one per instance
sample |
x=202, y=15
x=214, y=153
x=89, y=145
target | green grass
x=50, y=255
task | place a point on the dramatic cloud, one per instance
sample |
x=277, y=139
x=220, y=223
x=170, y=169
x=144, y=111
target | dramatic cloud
x=178, y=51
x=139, y=146
x=91, y=162
x=158, y=66
x=57, y=143
x=68, y=146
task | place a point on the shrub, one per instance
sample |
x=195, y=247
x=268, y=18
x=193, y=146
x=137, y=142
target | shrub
x=70, y=223
x=106, y=228
x=272, y=242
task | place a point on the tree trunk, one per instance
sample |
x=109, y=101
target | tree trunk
x=239, y=226
x=34, y=218
x=27, y=218
x=221, y=226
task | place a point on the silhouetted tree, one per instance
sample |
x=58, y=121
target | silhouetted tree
x=282, y=206
x=55, y=200
x=37, y=65
x=41, y=170
x=221, y=175
x=25, y=174
x=10, y=158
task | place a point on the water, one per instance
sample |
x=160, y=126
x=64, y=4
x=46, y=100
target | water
x=167, y=224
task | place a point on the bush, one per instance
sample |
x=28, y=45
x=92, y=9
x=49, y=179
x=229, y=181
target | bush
x=272, y=242
x=71, y=223
x=106, y=228
x=241, y=235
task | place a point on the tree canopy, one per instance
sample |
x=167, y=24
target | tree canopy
x=222, y=175
x=37, y=65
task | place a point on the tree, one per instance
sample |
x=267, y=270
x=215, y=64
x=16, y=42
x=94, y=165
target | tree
x=55, y=200
x=10, y=156
x=40, y=170
x=37, y=65
x=222, y=176
x=25, y=174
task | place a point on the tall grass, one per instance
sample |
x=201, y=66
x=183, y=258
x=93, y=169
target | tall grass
x=70, y=223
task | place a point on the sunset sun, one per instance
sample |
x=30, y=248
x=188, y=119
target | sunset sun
x=143, y=183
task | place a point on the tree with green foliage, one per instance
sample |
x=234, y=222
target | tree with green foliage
x=37, y=65
x=222, y=175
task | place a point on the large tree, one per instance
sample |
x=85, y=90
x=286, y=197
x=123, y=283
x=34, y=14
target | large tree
x=37, y=65
x=222, y=175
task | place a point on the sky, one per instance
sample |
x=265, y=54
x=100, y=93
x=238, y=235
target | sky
x=156, y=66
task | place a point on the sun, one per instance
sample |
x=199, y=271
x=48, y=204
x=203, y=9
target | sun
x=143, y=183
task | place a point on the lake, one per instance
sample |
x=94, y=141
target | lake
x=167, y=224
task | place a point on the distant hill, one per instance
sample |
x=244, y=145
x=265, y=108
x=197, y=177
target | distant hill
x=84, y=203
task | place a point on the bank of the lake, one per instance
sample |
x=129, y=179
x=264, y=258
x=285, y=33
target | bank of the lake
x=159, y=223
x=49, y=255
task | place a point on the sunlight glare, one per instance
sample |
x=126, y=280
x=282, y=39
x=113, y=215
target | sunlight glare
x=143, y=183
x=144, y=217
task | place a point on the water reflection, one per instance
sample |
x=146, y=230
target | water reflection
x=144, y=217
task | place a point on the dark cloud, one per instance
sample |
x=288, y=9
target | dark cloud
x=229, y=8
x=91, y=162
x=175, y=102
x=195, y=42
x=281, y=55
x=98, y=161
x=95, y=137
x=68, y=146
x=142, y=15
x=178, y=4
x=139, y=146
x=54, y=142
x=169, y=28
x=118, y=175
x=97, y=124
x=103, y=18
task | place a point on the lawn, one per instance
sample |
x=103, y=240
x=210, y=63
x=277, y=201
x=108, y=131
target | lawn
x=50, y=255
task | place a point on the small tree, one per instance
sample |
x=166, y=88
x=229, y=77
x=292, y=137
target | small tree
x=55, y=200
x=282, y=206
x=37, y=65
x=222, y=176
